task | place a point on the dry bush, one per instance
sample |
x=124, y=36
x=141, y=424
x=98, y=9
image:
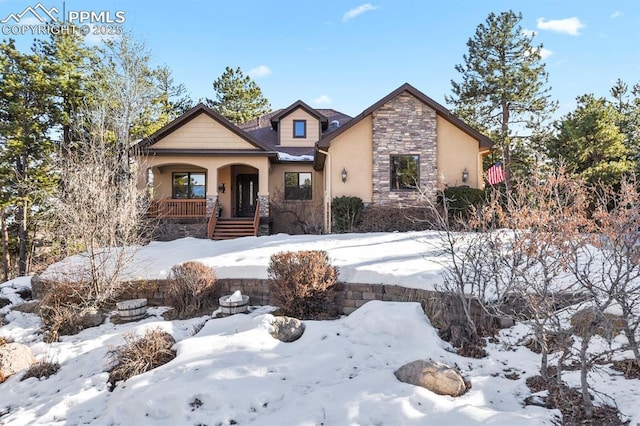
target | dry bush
x=302, y=283
x=59, y=310
x=41, y=369
x=191, y=288
x=3, y=341
x=391, y=219
x=140, y=354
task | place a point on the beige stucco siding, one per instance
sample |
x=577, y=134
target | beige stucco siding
x=285, y=129
x=276, y=179
x=353, y=152
x=203, y=132
x=457, y=151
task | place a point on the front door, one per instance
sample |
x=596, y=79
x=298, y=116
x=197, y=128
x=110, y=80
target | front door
x=246, y=195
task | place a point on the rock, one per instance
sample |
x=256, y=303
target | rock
x=30, y=307
x=14, y=357
x=590, y=321
x=434, y=376
x=4, y=302
x=287, y=329
x=91, y=318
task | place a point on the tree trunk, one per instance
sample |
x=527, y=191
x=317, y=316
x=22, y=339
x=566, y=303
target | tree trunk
x=584, y=370
x=506, y=146
x=631, y=337
x=23, y=237
x=6, y=256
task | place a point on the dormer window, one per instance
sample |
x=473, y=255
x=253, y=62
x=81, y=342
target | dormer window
x=299, y=128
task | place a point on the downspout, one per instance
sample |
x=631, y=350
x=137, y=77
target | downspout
x=327, y=192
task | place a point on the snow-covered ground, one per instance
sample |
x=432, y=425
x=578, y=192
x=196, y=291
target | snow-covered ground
x=233, y=372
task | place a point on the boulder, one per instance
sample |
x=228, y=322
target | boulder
x=434, y=376
x=590, y=321
x=30, y=307
x=14, y=357
x=287, y=329
x=90, y=318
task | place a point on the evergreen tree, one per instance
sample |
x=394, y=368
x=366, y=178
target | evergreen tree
x=589, y=142
x=627, y=103
x=503, y=90
x=238, y=98
x=26, y=113
x=171, y=101
x=68, y=63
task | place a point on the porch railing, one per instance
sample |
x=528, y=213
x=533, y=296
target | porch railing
x=170, y=208
x=256, y=219
x=213, y=220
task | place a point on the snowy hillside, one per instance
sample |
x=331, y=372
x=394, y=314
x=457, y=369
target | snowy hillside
x=232, y=371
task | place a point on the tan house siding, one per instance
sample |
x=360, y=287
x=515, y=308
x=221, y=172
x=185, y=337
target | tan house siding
x=457, y=151
x=203, y=132
x=285, y=129
x=352, y=151
x=403, y=126
x=286, y=213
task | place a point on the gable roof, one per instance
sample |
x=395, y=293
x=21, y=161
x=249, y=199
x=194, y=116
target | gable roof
x=146, y=143
x=325, y=141
x=275, y=119
x=261, y=129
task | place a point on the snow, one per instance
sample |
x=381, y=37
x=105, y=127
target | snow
x=283, y=156
x=406, y=259
x=232, y=371
x=235, y=297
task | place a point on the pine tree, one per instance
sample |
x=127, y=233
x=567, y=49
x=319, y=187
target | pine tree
x=627, y=103
x=238, y=98
x=68, y=63
x=503, y=90
x=589, y=142
x=26, y=112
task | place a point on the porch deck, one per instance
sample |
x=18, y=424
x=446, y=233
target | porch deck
x=177, y=209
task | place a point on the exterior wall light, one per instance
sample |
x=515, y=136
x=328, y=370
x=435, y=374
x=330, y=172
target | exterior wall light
x=465, y=175
x=221, y=188
x=344, y=175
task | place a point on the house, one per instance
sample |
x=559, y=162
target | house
x=292, y=162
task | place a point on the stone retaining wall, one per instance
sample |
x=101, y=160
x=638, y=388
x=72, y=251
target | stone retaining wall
x=348, y=296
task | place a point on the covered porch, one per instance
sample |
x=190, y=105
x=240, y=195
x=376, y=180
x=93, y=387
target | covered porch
x=230, y=195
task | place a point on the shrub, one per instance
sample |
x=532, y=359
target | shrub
x=302, y=283
x=461, y=198
x=347, y=213
x=60, y=310
x=392, y=219
x=140, y=354
x=191, y=286
x=41, y=369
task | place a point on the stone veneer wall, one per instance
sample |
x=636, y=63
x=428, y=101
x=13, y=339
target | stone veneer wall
x=404, y=125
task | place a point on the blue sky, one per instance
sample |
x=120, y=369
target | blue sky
x=348, y=54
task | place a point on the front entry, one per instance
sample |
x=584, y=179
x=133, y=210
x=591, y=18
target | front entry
x=246, y=194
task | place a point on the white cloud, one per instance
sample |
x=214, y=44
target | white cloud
x=616, y=14
x=528, y=33
x=568, y=25
x=545, y=53
x=350, y=14
x=322, y=100
x=259, y=71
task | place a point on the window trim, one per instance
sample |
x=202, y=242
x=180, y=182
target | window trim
x=189, y=197
x=304, y=135
x=391, y=180
x=286, y=198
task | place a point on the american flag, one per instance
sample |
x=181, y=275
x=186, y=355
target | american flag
x=495, y=174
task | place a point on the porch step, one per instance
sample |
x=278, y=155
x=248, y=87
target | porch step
x=227, y=229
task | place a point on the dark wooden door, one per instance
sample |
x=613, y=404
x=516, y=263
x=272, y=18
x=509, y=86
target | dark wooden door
x=246, y=195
